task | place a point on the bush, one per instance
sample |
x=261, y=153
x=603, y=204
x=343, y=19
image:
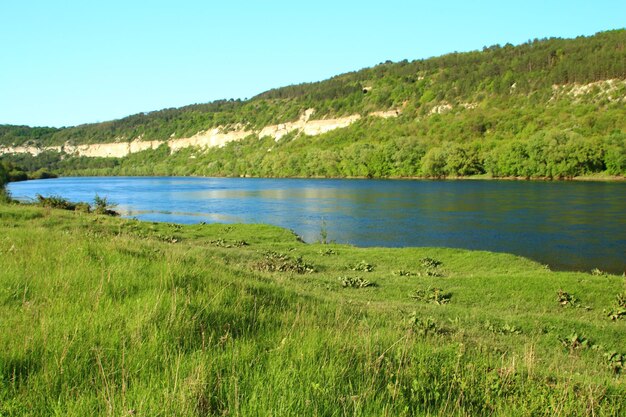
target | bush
x=4, y=178
x=102, y=205
x=55, y=201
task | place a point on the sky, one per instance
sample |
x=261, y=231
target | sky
x=69, y=62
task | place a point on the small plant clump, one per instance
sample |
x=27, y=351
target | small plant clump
x=575, y=342
x=362, y=266
x=432, y=267
x=423, y=326
x=327, y=252
x=430, y=263
x=403, y=273
x=598, y=273
x=82, y=207
x=432, y=295
x=615, y=361
x=355, y=282
x=433, y=273
x=566, y=299
x=279, y=262
x=502, y=329
x=619, y=310
x=221, y=243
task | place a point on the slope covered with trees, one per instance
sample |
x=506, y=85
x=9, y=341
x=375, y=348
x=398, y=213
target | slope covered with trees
x=552, y=108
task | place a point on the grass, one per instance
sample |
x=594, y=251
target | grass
x=106, y=316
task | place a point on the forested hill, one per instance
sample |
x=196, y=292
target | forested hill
x=546, y=108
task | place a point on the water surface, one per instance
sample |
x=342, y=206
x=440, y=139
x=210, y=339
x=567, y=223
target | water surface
x=566, y=225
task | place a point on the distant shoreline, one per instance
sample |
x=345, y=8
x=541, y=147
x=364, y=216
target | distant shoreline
x=595, y=178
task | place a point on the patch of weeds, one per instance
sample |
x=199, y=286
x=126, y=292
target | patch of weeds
x=502, y=329
x=566, y=299
x=615, y=361
x=403, y=273
x=424, y=326
x=433, y=273
x=575, y=342
x=619, y=310
x=167, y=238
x=279, y=262
x=327, y=252
x=221, y=243
x=432, y=267
x=432, y=295
x=82, y=208
x=362, y=266
x=430, y=263
x=324, y=233
x=355, y=282
x=598, y=273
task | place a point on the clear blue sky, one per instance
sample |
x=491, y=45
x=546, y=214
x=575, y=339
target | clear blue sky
x=67, y=62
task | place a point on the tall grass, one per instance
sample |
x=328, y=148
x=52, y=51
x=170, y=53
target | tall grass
x=103, y=316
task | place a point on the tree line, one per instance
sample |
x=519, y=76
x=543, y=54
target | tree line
x=530, y=69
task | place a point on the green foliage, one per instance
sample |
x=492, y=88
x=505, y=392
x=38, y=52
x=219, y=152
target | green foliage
x=279, y=262
x=509, y=111
x=55, y=201
x=4, y=179
x=575, y=342
x=615, y=361
x=355, y=282
x=432, y=295
x=502, y=329
x=327, y=252
x=361, y=266
x=619, y=309
x=108, y=317
x=403, y=273
x=566, y=299
x=424, y=326
x=430, y=263
x=4, y=175
x=102, y=205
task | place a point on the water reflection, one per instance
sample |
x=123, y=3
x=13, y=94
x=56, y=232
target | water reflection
x=563, y=224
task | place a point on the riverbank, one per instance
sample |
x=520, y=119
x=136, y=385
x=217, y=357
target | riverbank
x=114, y=316
x=486, y=177
x=531, y=219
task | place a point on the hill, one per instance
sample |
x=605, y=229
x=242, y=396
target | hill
x=550, y=108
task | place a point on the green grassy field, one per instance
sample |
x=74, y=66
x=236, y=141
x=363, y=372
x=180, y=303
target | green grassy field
x=106, y=316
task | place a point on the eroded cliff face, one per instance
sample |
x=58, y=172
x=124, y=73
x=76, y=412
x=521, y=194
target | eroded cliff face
x=217, y=137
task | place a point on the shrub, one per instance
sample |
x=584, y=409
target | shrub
x=102, y=205
x=55, y=201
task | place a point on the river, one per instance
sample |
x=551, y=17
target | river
x=566, y=225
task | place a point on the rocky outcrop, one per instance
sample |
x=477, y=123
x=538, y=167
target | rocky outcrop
x=217, y=137
x=612, y=90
